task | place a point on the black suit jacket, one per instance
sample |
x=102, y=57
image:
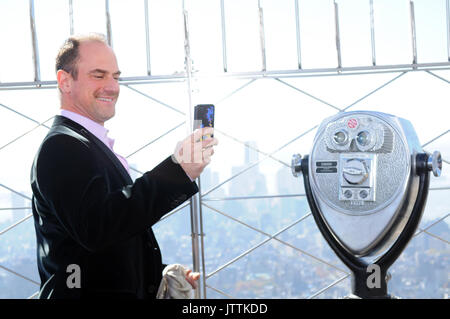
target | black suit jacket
x=89, y=213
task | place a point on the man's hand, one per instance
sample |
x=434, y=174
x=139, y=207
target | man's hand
x=193, y=153
x=192, y=278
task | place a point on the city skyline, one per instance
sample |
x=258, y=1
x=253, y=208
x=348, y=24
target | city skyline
x=275, y=270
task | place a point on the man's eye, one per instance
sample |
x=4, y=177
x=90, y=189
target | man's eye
x=98, y=76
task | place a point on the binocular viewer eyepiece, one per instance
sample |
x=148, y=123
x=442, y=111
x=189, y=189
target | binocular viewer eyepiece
x=366, y=181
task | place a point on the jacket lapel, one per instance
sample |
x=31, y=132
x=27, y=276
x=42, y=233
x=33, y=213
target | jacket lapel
x=61, y=120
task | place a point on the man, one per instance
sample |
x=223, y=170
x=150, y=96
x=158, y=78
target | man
x=93, y=224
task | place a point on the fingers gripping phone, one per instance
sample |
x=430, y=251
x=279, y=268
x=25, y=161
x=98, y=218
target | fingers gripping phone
x=204, y=117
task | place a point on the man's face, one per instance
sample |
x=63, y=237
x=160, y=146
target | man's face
x=95, y=91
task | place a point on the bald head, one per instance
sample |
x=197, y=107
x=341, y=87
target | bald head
x=69, y=52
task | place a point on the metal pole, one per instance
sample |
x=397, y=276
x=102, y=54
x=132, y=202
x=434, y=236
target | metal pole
x=262, y=36
x=36, y=62
x=147, y=38
x=413, y=33
x=338, y=38
x=108, y=24
x=297, y=25
x=448, y=29
x=224, y=37
x=71, y=17
x=194, y=208
x=195, y=200
x=202, y=236
x=372, y=33
x=252, y=76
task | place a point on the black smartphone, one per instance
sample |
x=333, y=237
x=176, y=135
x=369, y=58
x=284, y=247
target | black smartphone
x=204, y=117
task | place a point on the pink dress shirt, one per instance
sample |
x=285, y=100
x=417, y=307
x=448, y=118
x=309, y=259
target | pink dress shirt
x=98, y=131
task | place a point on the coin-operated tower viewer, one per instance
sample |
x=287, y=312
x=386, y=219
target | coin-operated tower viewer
x=366, y=181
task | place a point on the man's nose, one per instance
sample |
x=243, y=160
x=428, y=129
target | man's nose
x=112, y=86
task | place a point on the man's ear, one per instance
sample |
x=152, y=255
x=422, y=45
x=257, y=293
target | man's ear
x=64, y=81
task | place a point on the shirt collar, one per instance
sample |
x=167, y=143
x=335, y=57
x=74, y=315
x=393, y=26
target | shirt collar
x=96, y=129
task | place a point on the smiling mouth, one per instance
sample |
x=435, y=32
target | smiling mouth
x=105, y=99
